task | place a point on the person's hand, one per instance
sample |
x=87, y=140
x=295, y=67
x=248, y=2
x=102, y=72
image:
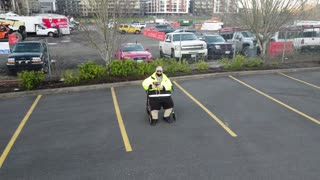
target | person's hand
x=160, y=87
x=153, y=86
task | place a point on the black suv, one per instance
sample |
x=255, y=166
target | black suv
x=28, y=55
x=218, y=47
x=164, y=28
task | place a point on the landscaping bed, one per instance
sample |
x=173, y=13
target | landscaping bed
x=90, y=73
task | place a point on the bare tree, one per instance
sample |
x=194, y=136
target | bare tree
x=103, y=33
x=265, y=17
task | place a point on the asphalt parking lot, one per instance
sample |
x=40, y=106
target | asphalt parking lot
x=71, y=50
x=244, y=127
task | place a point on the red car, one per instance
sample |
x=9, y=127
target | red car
x=134, y=51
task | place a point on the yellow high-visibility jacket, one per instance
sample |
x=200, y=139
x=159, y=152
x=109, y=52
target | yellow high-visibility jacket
x=165, y=82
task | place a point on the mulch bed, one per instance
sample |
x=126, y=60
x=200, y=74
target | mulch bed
x=13, y=86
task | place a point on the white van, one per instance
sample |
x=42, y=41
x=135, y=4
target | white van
x=309, y=39
x=212, y=26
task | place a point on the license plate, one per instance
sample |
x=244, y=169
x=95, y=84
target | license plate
x=193, y=55
x=227, y=52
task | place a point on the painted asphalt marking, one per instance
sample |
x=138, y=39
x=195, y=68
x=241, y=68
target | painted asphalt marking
x=277, y=101
x=18, y=130
x=304, y=82
x=120, y=121
x=224, y=126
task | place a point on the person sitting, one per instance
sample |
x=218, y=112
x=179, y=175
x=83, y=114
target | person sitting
x=159, y=89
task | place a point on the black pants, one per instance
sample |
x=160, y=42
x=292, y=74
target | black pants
x=157, y=102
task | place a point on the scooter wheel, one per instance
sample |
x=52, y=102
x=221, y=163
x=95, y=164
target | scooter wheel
x=174, y=116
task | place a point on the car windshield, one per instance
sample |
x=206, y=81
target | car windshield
x=214, y=39
x=27, y=47
x=247, y=34
x=184, y=37
x=132, y=47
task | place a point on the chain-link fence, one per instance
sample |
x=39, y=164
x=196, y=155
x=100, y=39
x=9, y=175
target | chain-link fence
x=295, y=44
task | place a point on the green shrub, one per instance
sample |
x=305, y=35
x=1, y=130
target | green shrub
x=30, y=79
x=202, y=66
x=254, y=63
x=90, y=70
x=184, y=67
x=123, y=68
x=172, y=66
x=237, y=63
x=72, y=78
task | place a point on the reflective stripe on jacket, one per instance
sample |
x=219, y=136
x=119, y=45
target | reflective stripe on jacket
x=165, y=82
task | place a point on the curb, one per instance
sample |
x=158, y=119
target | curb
x=138, y=82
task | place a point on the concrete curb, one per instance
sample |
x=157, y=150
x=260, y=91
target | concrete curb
x=132, y=83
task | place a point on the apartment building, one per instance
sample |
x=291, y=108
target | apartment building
x=212, y=7
x=123, y=7
x=68, y=7
x=164, y=7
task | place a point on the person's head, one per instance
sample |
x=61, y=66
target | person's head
x=159, y=71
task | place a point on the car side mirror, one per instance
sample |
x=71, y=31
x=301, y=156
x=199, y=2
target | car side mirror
x=168, y=40
x=200, y=38
x=147, y=49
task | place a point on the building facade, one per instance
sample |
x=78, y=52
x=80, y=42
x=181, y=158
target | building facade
x=121, y=7
x=68, y=7
x=164, y=7
x=213, y=7
x=48, y=6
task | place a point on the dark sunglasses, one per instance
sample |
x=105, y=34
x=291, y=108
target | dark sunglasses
x=159, y=71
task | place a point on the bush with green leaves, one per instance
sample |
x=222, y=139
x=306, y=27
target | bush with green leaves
x=240, y=62
x=202, y=66
x=171, y=66
x=131, y=68
x=30, y=80
x=90, y=70
x=85, y=71
x=124, y=68
x=72, y=77
x=252, y=63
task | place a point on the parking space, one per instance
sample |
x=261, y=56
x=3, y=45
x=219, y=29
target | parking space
x=299, y=96
x=12, y=111
x=64, y=136
x=81, y=135
x=308, y=77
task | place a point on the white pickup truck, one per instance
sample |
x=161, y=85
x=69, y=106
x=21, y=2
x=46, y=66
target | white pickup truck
x=185, y=45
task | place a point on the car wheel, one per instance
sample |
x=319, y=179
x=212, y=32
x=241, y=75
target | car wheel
x=50, y=34
x=161, y=53
x=137, y=32
x=123, y=32
x=172, y=53
x=19, y=36
x=245, y=51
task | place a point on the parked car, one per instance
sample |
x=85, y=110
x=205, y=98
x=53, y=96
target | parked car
x=164, y=28
x=28, y=55
x=243, y=39
x=139, y=25
x=218, y=47
x=198, y=33
x=126, y=28
x=183, y=45
x=134, y=51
